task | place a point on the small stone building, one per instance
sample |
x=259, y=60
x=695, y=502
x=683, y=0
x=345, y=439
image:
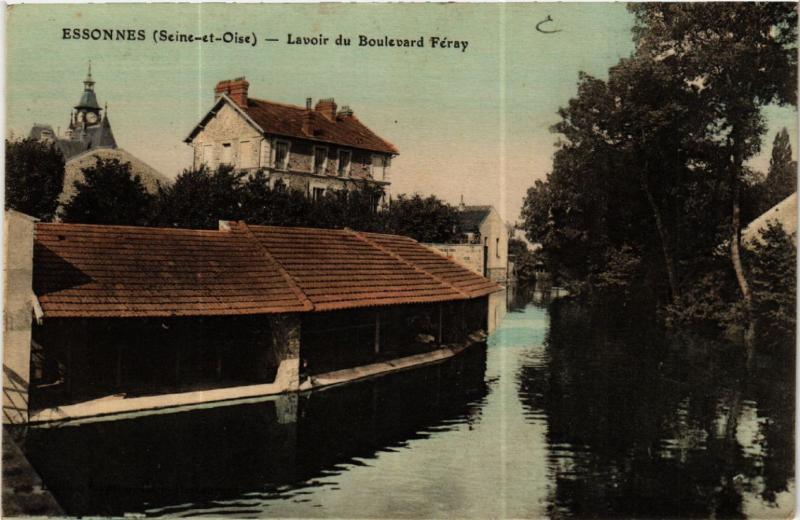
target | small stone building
x=133, y=311
x=310, y=148
x=483, y=247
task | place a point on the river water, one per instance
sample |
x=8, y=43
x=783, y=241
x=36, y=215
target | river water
x=556, y=416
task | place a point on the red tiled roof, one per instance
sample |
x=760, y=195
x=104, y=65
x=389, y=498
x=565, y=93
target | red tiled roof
x=289, y=120
x=302, y=123
x=338, y=269
x=118, y=271
x=464, y=280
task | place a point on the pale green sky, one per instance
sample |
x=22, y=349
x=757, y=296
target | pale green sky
x=473, y=123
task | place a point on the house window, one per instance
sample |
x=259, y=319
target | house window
x=208, y=154
x=320, y=160
x=497, y=247
x=247, y=155
x=317, y=194
x=380, y=163
x=227, y=154
x=344, y=163
x=281, y=155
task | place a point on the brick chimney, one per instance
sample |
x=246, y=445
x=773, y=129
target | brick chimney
x=346, y=111
x=308, y=123
x=236, y=89
x=326, y=107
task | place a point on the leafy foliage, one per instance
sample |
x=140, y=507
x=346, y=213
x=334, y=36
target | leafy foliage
x=109, y=194
x=652, y=160
x=199, y=198
x=34, y=177
x=737, y=58
x=782, y=175
x=424, y=219
x=773, y=270
x=524, y=260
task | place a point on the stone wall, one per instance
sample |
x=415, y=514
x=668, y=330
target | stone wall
x=286, y=348
x=496, y=231
x=497, y=274
x=17, y=315
x=248, y=147
x=468, y=255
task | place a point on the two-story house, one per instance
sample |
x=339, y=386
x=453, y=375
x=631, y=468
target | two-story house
x=311, y=148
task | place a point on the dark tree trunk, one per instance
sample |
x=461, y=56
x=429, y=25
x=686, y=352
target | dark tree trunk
x=736, y=257
x=663, y=235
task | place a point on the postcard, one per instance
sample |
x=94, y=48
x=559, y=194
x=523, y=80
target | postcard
x=400, y=260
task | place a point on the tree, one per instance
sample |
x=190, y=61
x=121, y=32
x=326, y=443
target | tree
x=524, y=260
x=34, y=177
x=351, y=208
x=424, y=219
x=774, y=278
x=782, y=175
x=273, y=206
x=740, y=57
x=200, y=198
x=627, y=174
x=109, y=194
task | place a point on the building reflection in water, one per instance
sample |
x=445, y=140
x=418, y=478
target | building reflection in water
x=245, y=454
x=566, y=414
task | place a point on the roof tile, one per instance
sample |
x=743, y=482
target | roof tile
x=118, y=271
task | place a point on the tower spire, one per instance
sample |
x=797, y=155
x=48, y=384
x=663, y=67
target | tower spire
x=88, y=83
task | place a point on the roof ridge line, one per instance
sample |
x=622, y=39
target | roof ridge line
x=307, y=304
x=394, y=255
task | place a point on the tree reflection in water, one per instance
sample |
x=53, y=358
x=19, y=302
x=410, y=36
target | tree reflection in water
x=641, y=428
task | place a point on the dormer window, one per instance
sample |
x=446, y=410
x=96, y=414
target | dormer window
x=281, y=155
x=343, y=169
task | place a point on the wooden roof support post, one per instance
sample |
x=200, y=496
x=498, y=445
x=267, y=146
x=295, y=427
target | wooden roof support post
x=439, y=338
x=377, y=331
x=118, y=378
x=178, y=363
x=69, y=374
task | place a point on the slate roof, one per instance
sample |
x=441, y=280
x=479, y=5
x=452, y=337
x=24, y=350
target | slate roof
x=39, y=131
x=91, y=138
x=471, y=217
x=302, y=123
x=88, y=100
x=119, y=271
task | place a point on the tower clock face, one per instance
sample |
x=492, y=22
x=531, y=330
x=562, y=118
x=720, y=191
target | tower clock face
x=91, y=118
x=80, y=117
